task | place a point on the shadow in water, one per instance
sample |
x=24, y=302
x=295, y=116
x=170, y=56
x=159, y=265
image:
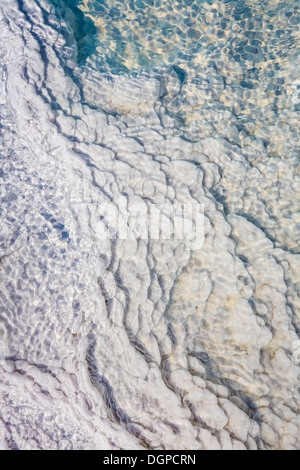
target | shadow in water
x=83, y=28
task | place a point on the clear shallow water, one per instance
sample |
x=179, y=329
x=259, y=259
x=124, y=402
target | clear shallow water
x=128, y=342
x=131, y=35
x=238, y=64
x=232, y=57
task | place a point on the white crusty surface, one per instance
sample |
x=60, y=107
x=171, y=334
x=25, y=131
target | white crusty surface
x=133, y=343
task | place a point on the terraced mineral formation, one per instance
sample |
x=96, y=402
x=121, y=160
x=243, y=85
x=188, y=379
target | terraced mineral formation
x=111, y=338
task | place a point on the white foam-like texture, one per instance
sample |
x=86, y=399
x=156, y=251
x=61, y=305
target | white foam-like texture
x=127, y=343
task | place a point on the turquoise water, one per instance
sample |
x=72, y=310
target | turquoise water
x=241, y=60
x=133, y=34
